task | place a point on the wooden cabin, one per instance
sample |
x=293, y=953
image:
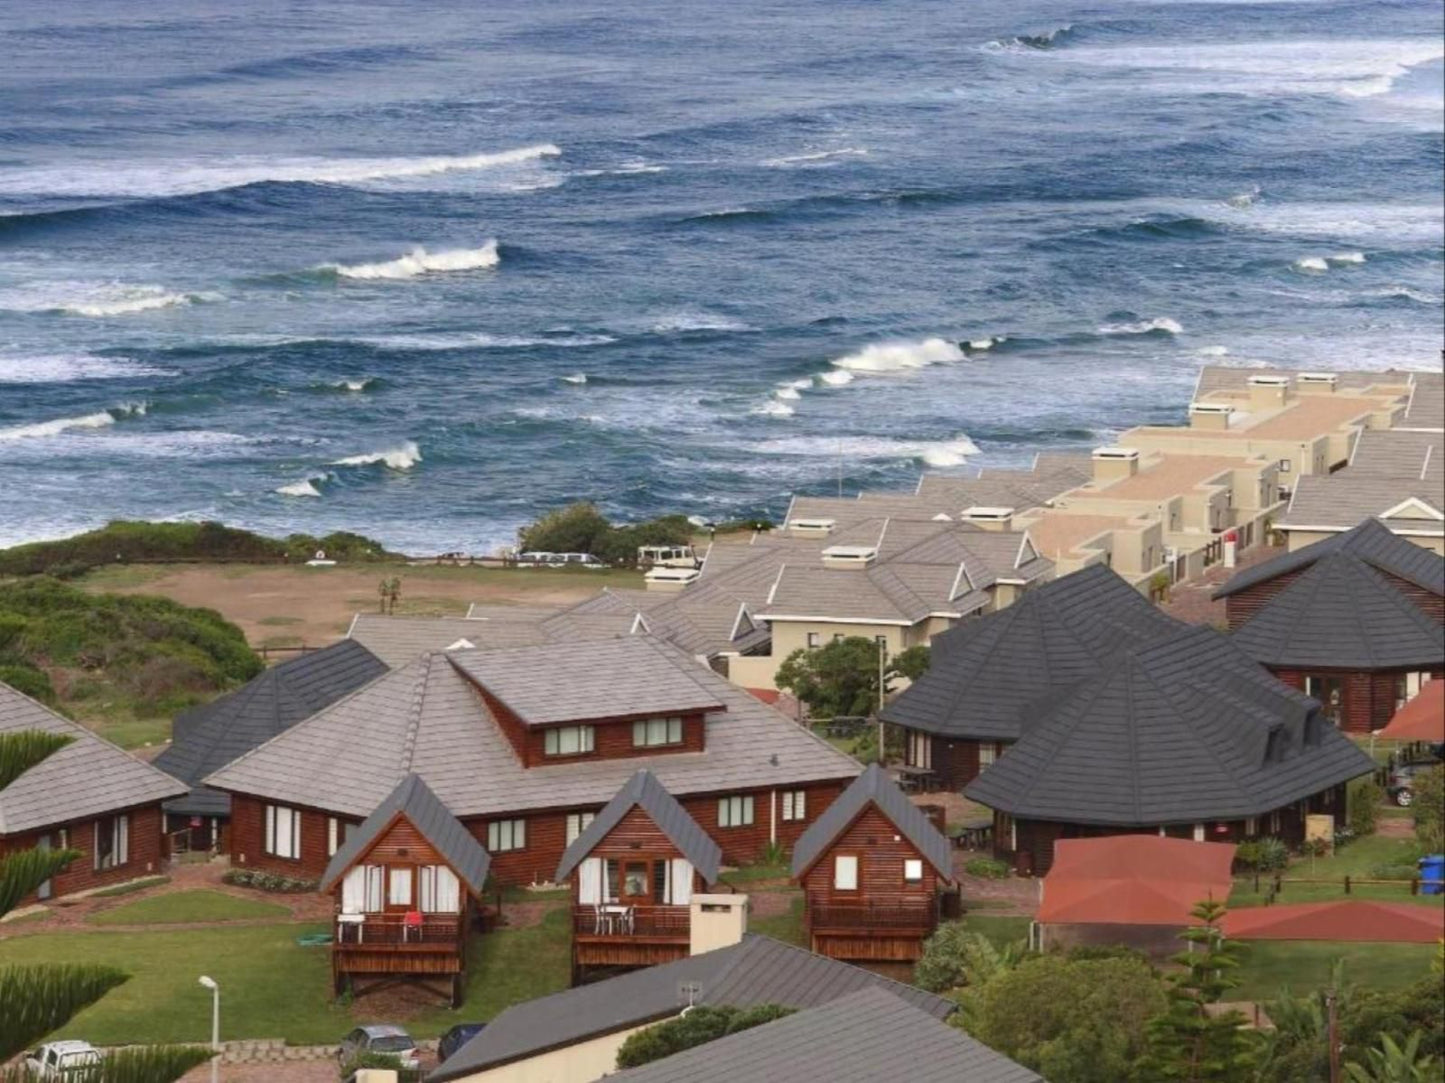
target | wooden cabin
x=633, y=872
x=872, y=868
x=404, y=884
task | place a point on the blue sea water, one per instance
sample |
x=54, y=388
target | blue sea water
x=425, y=268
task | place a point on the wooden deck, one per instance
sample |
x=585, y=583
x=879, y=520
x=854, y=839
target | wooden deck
x=645, y=936
x=385, y=948
x=870, y=933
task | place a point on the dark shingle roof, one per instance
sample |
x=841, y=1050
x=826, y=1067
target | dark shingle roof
x=1184, y=730
x=1342, y=614
x=757, y=970
x=866, y=1036
x=1371, y=542
x=643, y=791
x=413, y=801
x=207, y=738
x=872, y=787
x=989, y=678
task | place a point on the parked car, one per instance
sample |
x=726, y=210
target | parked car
x=457, y=1037
x=1401, y=786
x=387, y=1038
x=72, y=1061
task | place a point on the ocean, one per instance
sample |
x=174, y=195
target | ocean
x=426, y=268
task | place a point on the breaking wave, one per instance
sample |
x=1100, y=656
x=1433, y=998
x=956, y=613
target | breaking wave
x=1046, y=40
x=362, y=384
x=890, y=357
x=403, y=457
x=1311, y=265
x=460, y=340
x=774, y=408
x=939, y=453
x=419, y=262
x=68, y=368
x=305, y=487
x=816, y=158
x=94, y=299
x=575, y=378
x=1159, y=325
x=98, y=420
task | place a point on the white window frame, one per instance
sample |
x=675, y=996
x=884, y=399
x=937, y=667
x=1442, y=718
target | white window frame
x=504, y=836
x=987, y=754
x=912, y=870
x=1284, y=466
x=845, y=872
x=283, y=832
x=657, y=732
x=795, y=805
x=569, y=741
x=578, y=822
x=400, y=886
x=119, y=843
x=735, y=810
x=815, y=640
x=920, y=750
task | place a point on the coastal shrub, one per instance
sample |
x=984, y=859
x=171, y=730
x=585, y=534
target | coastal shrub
x=702, y=1024
x=121, y=541
x=582, y=528
x=1246, y=854
x=1365, y=800
x=955, y=957
x=268, y=881
x=1429, y=810
x=989, y=868
x=1273, y=855
x=28, y=681
x=384, y=1061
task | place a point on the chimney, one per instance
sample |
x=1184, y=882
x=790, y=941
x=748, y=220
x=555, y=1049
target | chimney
x=716, y=921
x=663, y=578
x=1316, y=383
x=1209, y=415
x=987, y=518
x=1115, y=463
x=849, y=556
x=1267, y=391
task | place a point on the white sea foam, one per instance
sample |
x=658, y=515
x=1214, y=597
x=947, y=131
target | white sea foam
x=357, y=385
x=99, y=420
x=575, y=378
x=1409, y=294
x=94, y=299
x=304, y=487
x=1347, y=257
x=892, y=357
x=986, y=343
x=696, y=321
x=419, y=262
x=940, y=453
x=790, y=392
x=456, y=340
x=1213, y=351
x=1143, y=327
x=837, y=378
x=160, y=178
x=68, y=368
x=1311, y=265
x=402, y=457
x=774, y=408
x=624, y=170
x=814, y=159
x=1243, y=200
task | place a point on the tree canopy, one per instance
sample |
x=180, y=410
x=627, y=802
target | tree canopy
x=582, y=528
x=698, y=1025
x=841, y=677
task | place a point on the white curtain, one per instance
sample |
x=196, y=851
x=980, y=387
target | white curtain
x=353, y=891
x=122, y=839
x=448, y=892
x=680, y=881
x=589, y=881
x=426, y=889
x=375, y=874
x=400, y=891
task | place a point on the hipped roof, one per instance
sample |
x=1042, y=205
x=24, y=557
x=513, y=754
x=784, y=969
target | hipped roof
x=643, y=791
x=872, y=787
x=413, y=801
x=1422, y=719
x=1133, y=880
x=1355, y=920
x=1371, y=541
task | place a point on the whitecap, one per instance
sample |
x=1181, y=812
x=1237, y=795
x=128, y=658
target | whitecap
x=890, y=357
x=457, y=340
x=774, y=408
x=692, y=321
x=99, y=420
x=575, y=378
x=837, y=378
x=402, y=457
x=419, y=261
x=986, y=343
x=93, y=299
x=816, y=158
x=939, y=453
x=1143, y=327
x=1243, y=200
x=69, y=368
x=357, y=385
x=1347, y=257
x=1213, y=351
x=1311, y=265
x=304, y=487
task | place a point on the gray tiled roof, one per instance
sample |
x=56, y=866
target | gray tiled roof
x=1236, y=377
x=645, y=792
x=1338, y=501
x=865, y=1037
x=872, y=787
x=208, y=737
x=1427, y=402
x=88, y=777
x=400, y=640
x=757, y=970
x=414, y=801
x=1398, y=454
x=1186, y=729
x=614, y=678
x=1370, y=541
x=1342, y=614
x=428, y=718
x=990, y=678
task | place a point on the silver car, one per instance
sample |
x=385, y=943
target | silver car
x=384, y=1038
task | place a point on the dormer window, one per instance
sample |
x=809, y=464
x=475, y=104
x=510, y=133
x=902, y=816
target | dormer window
x=656, y=732
x=569, y=740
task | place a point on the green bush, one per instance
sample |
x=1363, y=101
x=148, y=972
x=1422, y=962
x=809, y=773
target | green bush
x=1273, y=855
x=699, y=1025
x=990, y=868
x=1429, y=810
x=955, y=957
x=27, y=680
x=1365, y=799
x=389, y=1061
x=273, y=882
x=582, y=528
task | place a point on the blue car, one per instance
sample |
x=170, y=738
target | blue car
x=457, y=1037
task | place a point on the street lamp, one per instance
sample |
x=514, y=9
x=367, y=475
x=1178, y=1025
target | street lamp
x=210, y=983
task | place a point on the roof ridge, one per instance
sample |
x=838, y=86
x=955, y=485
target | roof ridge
x=413, y=721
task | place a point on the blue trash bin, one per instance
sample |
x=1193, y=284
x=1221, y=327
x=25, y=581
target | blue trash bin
x=1432, y=868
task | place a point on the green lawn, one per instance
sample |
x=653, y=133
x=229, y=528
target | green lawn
x=186, y=907
x=123, y=729
x=1272, y=965
x=1001, y=930
x=270, y=987
x=1361, y=858
x=785, y=927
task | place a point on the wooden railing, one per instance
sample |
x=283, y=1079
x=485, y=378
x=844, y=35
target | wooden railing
x=629, y=922
x=910, y=916
x=391, y=930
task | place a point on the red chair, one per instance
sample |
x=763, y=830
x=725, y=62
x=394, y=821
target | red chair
x=409, y=923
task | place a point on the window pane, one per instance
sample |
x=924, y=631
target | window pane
x=747, y=816
x=639, y=733
x=569, y=741
x=519, y=834
x=845, y=872
x=549, y=742
x=912, y=870
x=674, y=731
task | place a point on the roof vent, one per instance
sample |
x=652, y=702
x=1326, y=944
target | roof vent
x=989, y=518
x=463, y=645
x=1318, y=382
x=1268, y=389
x=1209, y=415
x=812, y=526
x=670, y=578
x=850, y=556
x=1113, y=463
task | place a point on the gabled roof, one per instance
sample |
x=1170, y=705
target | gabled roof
x=1370, y=541
x=1342, y=614
x=1184, y=730
x=864, y=1037
x=208, y=737
x=614, y=678
x=645, y=792
x=88, y=777
x=414, y=802
x=872, y=787
x=756, y=970
x=990, y=678
x=429, y=718
x=1336, y=501
x=399, y=641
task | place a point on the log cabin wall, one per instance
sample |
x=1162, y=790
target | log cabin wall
x=248, y=839
x=635, y=834
x=145, y=844
x=613, y=741
x=1239, y=607
x=1367, y=700
x=881, y=850
x=400, y=844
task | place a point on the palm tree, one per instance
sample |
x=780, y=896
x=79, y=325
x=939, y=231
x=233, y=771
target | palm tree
x=38, y=999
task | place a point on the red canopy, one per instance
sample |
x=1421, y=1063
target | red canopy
x=1133, y=880
x=1422, y=719
x=1352, y=919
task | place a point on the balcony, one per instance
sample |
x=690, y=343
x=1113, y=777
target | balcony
x=914, y=918
x=619, y=922
x=393, y=932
